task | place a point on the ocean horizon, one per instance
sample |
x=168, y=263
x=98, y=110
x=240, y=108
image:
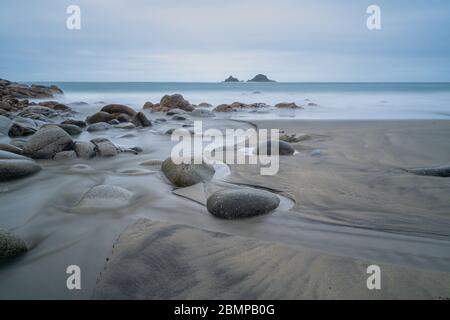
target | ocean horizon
x=332, y=100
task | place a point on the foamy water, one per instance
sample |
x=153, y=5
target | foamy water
x=334, y=100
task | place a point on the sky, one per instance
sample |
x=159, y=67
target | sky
x=208, y=40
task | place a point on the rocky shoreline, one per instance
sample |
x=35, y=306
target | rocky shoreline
x=111, y=168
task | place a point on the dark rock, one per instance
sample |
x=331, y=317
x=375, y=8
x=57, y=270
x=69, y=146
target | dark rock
x=287, y=105
x=11, y=245
x=140, y=120
x=46, y=142
x=184, y=175
x=241, y=203
x=260, y=78
x=231, y=79
x=99, y=117
x=114, y=122
x=178, y=118
x=118, y=108
x=122, y=117
x=285, y=149
x=442, y=171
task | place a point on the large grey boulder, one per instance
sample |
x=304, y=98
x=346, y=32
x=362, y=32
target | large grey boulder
x=14, y=166
x=104, y=147
x=11, y=245
x=85, y=149
x=105, y=197
x=184, y=175
x=118, y=108
x=241, y=203
x=47, y=142
x=71, y=129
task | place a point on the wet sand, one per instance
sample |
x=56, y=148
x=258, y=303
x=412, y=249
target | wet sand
x=352, y=204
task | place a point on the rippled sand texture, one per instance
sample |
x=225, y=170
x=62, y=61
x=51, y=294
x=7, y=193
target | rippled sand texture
x=154, y=260
x=352, y=200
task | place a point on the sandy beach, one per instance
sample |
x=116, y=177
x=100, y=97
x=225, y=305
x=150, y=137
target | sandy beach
x=87, y=184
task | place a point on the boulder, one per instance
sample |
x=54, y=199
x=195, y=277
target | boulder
x=14, y=166
x=85, y=149
x=140, y=120
x=11, y=245
x=241, y=203
x=174, y=101
x=10, y=148
x=118, y=108
x=148, y=106
x=99, y=117
x=104, y=147
x=184, y=175
x=284, y=148
x=442, y=171
x=65, y=155
x=99, y=126
x=46, y=142
x=287, y=105
x=79, y=123
x=122, y=117
x=71, y=129
x=105, y=197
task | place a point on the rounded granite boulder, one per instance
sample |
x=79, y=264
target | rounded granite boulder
x=47, y=142
x=11, y=245
x=241, y=203
x=184, y=175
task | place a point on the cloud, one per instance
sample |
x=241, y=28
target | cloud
x=206, y=40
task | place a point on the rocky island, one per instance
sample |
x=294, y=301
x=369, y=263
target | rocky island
x=231, y=79
x=260, y=78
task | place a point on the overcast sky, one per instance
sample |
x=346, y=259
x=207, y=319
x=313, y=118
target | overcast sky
x=208, y=40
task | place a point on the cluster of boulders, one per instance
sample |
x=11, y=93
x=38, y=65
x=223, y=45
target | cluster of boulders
x=51, y=142
x=169, y=102
x=177, y=102
x=11, y=89
x=117, y=115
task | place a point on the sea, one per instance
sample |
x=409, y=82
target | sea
x=319, y=100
